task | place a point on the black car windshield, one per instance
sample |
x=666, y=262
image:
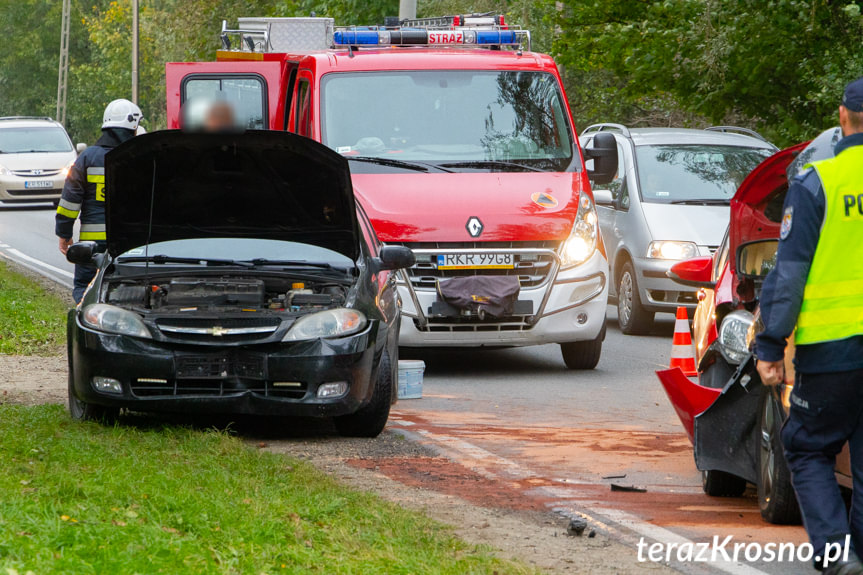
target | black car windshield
x=241, y=250
x=696, y=173
x=464, y=120
x=34, y=140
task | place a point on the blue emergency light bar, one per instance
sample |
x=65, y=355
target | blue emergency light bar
x=420, y=37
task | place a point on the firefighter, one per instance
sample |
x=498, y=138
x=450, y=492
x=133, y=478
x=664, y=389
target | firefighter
x=84, y=191
x=817, y=284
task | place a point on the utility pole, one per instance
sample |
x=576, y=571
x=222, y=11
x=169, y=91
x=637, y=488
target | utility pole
x=134, y=51
x=63, y=72
x=407, y=9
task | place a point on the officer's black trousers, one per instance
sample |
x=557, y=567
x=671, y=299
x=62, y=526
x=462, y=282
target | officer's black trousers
x=84, y=274
x=826, y=412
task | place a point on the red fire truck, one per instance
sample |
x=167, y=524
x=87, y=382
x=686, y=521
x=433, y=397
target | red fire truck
x=461, y=146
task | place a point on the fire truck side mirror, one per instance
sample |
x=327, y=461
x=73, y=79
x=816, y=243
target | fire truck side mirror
x=604, y=156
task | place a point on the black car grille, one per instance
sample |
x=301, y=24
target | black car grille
x=214, y=388
x=532, y=269
x=212, y=329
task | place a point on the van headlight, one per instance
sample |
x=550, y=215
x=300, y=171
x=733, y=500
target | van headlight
x=733, y=335
x=4, y=171
x=112, y=319
x=581, y=243
x=670, y=250
x=65, y=171
x=330, y=323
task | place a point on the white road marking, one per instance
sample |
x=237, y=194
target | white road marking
x=470, y=455
x=19, y=255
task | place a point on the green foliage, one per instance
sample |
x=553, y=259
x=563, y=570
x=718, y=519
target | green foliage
x=32, y=321
x=84, y=498
x=774, y=65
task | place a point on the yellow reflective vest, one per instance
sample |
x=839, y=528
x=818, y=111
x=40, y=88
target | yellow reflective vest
x=833, y=298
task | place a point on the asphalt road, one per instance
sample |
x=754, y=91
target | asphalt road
x=519, y=415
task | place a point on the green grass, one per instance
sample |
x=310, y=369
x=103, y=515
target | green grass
x=84, y=498
x=32, y=320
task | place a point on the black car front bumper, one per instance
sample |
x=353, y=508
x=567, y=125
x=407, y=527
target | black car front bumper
x=262, y=379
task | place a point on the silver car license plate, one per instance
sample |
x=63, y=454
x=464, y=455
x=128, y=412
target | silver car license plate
x=38, y=184
x=475, y=261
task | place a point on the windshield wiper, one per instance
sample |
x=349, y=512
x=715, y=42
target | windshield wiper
x=701, y=202
x=492, y=164
x=416, y=166
x=293, y=263
x=163, y=259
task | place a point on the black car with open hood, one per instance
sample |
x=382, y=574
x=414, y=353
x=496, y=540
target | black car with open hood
x=240, y=276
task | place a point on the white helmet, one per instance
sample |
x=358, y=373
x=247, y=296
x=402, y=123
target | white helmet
x=122, y=114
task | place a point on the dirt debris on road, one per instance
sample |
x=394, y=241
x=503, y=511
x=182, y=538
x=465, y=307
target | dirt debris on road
x=32, y=380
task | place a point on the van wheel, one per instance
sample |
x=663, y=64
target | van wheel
x=721, y=484
x=776, y=497
x=83, y=411
x=583, y=354
x=370, y=420
x=631, y=315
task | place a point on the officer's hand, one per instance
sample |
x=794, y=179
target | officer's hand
x=771, y=372
x=64, y=245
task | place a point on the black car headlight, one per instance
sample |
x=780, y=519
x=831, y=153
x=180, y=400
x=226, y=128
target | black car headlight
x=337, y=322
x=112, y=319
x=733, y=335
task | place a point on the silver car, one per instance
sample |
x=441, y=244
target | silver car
x=35, y=156
x=669, y=202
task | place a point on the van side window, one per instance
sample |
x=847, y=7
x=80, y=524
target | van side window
x=245, y=92
x=303, y=111
x=289, y=94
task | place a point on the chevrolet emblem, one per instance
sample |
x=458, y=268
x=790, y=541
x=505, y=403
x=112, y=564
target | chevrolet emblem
x=217, y=331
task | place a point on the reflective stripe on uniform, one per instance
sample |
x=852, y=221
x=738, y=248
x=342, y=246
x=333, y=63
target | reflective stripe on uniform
x=92, y=236
x=68, y=209
x=92, y=232
x=97, y=176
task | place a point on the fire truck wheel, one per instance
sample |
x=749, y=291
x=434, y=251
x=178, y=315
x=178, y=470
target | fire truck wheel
x=776, y=497
x=721, y=484
x=370, y=420
x=583, y=354
x=631, y=315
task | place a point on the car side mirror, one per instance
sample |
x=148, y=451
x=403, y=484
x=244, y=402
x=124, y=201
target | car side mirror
x=395, y=258
x=695, y=272
x=604, y=156
x=80, y=147
x=756, y=259
x=603, y=198
x=81, y=253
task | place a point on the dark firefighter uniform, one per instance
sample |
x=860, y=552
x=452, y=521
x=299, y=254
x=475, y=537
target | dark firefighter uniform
x=84, y=197
x=817, y=285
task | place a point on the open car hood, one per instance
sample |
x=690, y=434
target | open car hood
x=172, y=185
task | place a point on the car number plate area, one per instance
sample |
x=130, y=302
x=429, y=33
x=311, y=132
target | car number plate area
x=220, y=366
x=38, y=184
x=476, y=261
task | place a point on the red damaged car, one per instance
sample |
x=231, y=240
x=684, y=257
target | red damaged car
x=732, y=420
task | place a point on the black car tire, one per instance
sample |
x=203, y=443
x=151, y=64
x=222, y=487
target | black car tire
x=583, y=354
x=631, y=315
x=370, y=419
x=83, y=411
x=722, y=484
x=776, y=497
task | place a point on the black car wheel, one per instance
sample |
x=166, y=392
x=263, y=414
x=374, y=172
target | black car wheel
x=83, y=411
x=631, y=315
x=583, y=354
x=721, y=484
x=370, y=420
x=776, y=496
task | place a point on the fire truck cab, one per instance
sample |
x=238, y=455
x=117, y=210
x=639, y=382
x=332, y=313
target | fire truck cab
x=461, y=146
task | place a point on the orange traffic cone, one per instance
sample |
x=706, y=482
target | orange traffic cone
x=681, y=346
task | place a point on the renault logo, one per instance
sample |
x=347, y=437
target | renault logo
x=474, y=227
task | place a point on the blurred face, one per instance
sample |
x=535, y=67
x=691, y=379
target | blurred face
x=219, y=117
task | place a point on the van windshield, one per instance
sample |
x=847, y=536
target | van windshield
x=34, y=140
x=684, y=174
x=458, y=120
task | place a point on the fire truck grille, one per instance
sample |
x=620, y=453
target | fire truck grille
x=532, y=269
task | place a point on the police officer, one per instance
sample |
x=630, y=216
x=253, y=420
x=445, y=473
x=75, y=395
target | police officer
x=817, y=285
x=84, y=191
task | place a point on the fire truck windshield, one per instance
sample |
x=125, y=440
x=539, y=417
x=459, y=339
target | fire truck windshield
x=465, y=120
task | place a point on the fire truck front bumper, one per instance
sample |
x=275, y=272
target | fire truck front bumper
x=569, y=307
